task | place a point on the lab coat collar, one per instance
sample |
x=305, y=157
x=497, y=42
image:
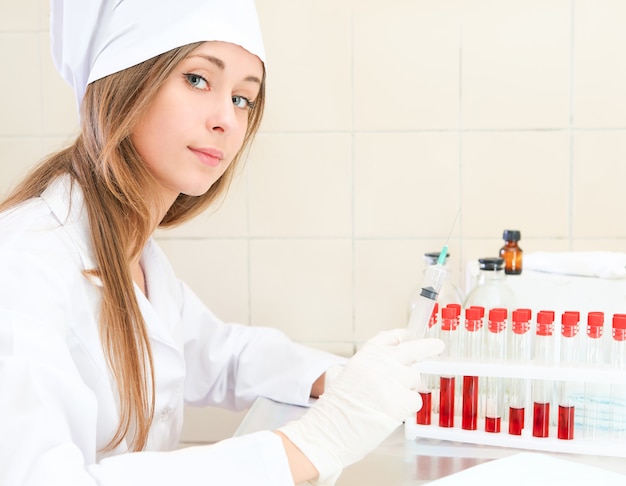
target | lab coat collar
x=65, y=199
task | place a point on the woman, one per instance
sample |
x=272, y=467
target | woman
x=100, y=344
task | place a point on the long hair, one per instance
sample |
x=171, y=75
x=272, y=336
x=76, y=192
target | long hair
x=120, y=196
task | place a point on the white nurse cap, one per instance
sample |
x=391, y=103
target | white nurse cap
x=94, y=38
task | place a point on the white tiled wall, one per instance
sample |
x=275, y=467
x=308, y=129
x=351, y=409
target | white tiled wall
x=382, y=118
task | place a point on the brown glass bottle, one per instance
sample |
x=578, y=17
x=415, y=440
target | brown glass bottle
x=511, y=252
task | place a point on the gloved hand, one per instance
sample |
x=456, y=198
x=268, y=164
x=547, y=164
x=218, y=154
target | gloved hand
x=369, y=399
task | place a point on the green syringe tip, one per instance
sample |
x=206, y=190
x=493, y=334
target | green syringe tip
x=442, y=256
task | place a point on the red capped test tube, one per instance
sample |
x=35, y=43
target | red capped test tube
x=473, y=338
x=618, y=391
x=424, y=414
x=594, y=419
x=542, y=389
x=519, y=353
x=568, y=356
x=495, y=351
x=449, y=335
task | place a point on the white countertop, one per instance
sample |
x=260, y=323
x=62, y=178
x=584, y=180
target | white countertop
x=402, y=462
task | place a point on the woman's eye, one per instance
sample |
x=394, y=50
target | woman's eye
x=242, y=102
x=197, y=81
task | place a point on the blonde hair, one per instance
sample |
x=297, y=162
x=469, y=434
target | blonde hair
x=120, y=193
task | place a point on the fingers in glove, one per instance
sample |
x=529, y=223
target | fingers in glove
x=389, y=338
x=409, y=352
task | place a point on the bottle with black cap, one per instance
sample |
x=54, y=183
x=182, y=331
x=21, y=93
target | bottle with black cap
x=511, y=252
x=491, y=289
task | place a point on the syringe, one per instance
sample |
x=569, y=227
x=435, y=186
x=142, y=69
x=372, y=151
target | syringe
x=425, y=303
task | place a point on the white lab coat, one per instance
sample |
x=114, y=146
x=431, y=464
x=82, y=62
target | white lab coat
x=58, y=405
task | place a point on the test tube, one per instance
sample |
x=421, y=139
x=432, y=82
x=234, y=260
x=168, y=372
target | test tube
x=596, y=394
x=495, y=353
x=618, y=390
x=449, y=335
x=424, y=414
x=542, y=389
x=473, y=337
x=568, y=356
x=519, y=353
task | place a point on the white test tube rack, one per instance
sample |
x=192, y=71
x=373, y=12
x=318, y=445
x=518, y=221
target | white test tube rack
x=528, y=372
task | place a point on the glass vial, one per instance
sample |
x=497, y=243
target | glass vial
x=511, y=252
x=424, y=414
x=491, y=290
x=618, y=390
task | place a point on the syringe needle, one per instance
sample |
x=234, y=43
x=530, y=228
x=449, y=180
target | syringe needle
x=444, y=251
x=433, y=280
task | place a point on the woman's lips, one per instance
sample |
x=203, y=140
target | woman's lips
x=208, y=156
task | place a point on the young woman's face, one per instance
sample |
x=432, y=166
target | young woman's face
x=197, y=122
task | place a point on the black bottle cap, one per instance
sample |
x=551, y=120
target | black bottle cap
x=511, y=235
x=495, y=263
x=433, y=256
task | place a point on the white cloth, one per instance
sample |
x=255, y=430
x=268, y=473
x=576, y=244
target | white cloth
x=58, y=406
x=602, y=264
x=94, y=38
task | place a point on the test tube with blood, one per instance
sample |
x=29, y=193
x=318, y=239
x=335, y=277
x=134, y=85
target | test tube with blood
x=542, y=389
x=449, y=335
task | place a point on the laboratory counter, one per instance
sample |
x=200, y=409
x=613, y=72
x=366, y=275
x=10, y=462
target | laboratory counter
x=402, y=462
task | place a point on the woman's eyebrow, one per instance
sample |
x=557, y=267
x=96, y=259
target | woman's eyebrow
x=216, y=61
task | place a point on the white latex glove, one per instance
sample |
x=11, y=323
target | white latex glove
x=331, y=375
x=363, y=404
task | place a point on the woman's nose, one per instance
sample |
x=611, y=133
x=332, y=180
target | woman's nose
x=221, y=115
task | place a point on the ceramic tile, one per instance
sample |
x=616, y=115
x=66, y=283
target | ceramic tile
x=405, y=184
x=406, y=65
x=216, y=270
x=301, y=186
x=53, y=144
x=20, y=85
x=600, y=244
x=303, y=287
x=599, y=76
x=345, y=349
x=516, y=180
x=17, y=156
x=599, y=199
x=516, y=64
x=59, y=109
x=387, y=273
x=478, y=97
x=20, y=16
x=44, y=14
x=308, y=47
x=226, y=218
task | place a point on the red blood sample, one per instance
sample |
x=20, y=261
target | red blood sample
x=541, y=419
x=423, y=415
x=470, y=402
x=492, y=424
x=566, y=422
x=446, y=401
x=516, y=420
